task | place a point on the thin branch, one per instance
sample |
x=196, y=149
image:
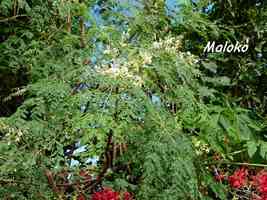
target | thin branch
x=69, y=22
x=11, y=18
x=13, y=181
x=101, y=175
x=82, y=32
x=238, y=163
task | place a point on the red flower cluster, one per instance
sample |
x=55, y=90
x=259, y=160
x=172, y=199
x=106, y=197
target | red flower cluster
x=239, y=178
x=106, y=194
x=260, y=181
x=109, y=194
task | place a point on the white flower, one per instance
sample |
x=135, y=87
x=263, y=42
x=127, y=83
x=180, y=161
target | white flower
x=147, y=58
x=20, y=133
x=156, y=45
x=169, y=40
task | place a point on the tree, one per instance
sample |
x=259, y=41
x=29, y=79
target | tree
x=131, y=102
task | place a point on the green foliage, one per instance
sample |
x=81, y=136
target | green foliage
x=152, y=90
x=169, y=169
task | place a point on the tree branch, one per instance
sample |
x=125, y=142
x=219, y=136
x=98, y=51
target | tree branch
x=237, y=163
x=11, y=18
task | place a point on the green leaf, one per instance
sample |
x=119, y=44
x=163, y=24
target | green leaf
x=252, y=148
x=263, y=150
x=218, y=188
x=211, y=66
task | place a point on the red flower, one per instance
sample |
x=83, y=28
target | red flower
x=109, y=194
x=106, y=194
x=260, y=181
x=238, y=179
x=127, y=196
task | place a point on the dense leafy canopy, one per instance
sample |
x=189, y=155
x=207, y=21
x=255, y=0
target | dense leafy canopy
x=120, y=94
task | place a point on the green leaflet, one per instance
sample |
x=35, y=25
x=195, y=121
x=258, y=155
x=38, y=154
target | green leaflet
x=252, y=148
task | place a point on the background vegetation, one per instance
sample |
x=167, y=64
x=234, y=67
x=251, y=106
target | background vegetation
x=105, y=96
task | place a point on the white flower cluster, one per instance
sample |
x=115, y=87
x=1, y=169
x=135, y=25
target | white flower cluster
x=146, y=57
x=188, y=57
x=170, y=44
x=129, y=68
x=120, y=70
x=124, y=39
x=11, y=133
x=110, y=50
x=174, y=45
